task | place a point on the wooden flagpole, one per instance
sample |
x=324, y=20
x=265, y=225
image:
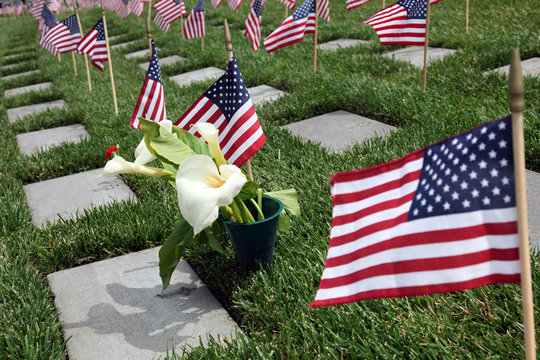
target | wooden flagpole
x=517, y=105
x=109, y=57
x=148, y=30
x=383, y=5
x=286, y=10
x=202, y=42
x=467, y=16
x=182, y=26
x=74, y=63
x=81, y=30
x=315, y=38
x=230, y=54
x=59, y=58
x=424, y=72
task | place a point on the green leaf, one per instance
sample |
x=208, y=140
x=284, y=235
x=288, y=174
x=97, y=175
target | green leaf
x=249, y=190
x=213, y=241
x=172, y=250
x=288, y=198
x=173, y=170
x=196, y=144
x=284, y=222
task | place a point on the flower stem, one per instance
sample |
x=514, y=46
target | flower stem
x=237, y=213
x=246, y=215
x=259, y=211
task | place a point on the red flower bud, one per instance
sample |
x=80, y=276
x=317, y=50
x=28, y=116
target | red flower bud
x=109, y=151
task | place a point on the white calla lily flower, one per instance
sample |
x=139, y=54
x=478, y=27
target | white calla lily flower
x=210, y=133
x=202, y=189
x=118, y=165
x=142, y=155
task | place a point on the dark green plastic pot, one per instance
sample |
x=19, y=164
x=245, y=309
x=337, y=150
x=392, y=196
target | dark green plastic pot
x=254, y=242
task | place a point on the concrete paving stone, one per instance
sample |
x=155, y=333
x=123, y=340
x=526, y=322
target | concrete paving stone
x=415, y=54
x=20, y=112
x=190, y=77
x=264, y=94
x=109, y=309
x=69, y=196
x=14, y=76
x=529, y=67
x=35, y=141
x=170, y=60
x=25, y=89
x=14, y=56
x=138, y=54
x=112, y=38
x=123, y=45
x=341, y=44
x=532, y=180
x=338, y=130
x=11, y=66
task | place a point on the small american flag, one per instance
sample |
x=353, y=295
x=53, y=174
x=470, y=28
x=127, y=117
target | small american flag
x=290, y=3
x=324, y=10
x=37, y=8
x=137, y=7
x=123, y=8
x=253, y=25
x=403, y=23
x=234, y=4
x=194, y=25
x=69, y=43
x=440, y=219
x=215, y=3
x=168, y=11
x=52, y=32
x=94, y=45
x=227, y=105
x=151, y=103
x=292, y=30
x=353, y=4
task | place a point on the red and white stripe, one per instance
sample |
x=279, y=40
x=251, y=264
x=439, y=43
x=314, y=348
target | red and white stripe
x=375, y=252
x=55, y=36
x=151, y=103
x=137, y=7
x=123, y=10
x=239, y=139
x=215, y=3
x=290, y=32
x=167, y=12
x=37, y=9
x=194, y=25
x=353, y=4
x=290, y=3
x=234, y=4
x=253, y=29
x=96, y=49
x=324, y=10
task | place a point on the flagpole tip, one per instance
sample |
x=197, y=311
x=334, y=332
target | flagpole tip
x=228, y=40
x=516, y=88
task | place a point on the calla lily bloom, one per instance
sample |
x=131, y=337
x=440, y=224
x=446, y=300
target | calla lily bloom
x=119, y=165
x=142, y=155
x=202, y=189
x=210, y=133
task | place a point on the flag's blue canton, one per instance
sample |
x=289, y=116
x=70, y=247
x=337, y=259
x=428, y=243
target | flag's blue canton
x=154, y=73
x=125, y=2
x=304, y=10
x=100, y=31
x=71, y=23
x=177, y=2
x=229, y=93
x=48, y=17
x=257, y=7
x=416, y=9
x=470, y=172
x=199, y=6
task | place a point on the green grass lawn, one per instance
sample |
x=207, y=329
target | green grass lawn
x=270, y=305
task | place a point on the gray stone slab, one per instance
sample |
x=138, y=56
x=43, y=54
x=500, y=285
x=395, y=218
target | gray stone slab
x=138, y=54
x=169, y=60
x=264, y=94
x=109, y=309
x=112, y=38
x=69, y=196
x=190, y=77
x=14, y=76
x=20, y=112
x=35, y=141
x=341, y=44
x=14, y=56
x=415, y=54
x=338, y=130
x=123, y=45
x=533, y=207
x=25, y=89
x=529, y=67
x=10, y=66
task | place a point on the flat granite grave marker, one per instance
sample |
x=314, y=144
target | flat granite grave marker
x=20, y=112
x=529, y=67
x=164, y=62
x=69, y=196
x=191, y=77
x=11, y=66
x=35, y=141
x=533, y=207
x=341, y=44
x=14, y=56
x=264, y=94
x=415, y=54
x=14, y=76
x=123, y=45
x=338, y=130
x=138, y=54
x=124, y=319
x=25, y=89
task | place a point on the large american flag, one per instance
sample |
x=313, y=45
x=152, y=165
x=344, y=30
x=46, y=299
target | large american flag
x=151, y=103
x=194, y=25
x=168, y=11
x=253, y=24
x=292, y=30
x=94, y=45
x=234, y=4
x=440, y=219
x=69, y=43
x=227, y=105
x=52, y=32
